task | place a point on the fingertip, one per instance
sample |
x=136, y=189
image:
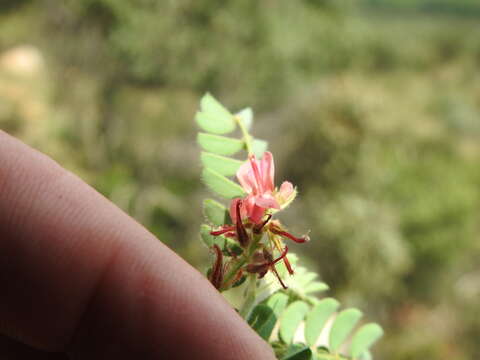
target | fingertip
x=78, y=274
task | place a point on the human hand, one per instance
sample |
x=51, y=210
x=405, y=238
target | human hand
x=79, y=276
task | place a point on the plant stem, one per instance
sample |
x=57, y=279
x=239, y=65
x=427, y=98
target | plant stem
x=251, y=293
x=244, y=259
x=247, y=138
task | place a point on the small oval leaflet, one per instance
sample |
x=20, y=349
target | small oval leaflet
x=291, y=319
x=220, y=185
x=221, y=164
x=317, y=318
x=259, y=147
x=214, y=117
x=364, y=338
x=342, y=326
x=263, y=320
x=278, y=302
x=220, y=145
x=246, y=117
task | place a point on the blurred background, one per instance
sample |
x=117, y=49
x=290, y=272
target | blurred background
x=371, y=108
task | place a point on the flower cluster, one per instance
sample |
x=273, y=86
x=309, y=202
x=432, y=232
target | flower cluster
x=251, y=220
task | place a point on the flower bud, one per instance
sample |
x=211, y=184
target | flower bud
x=216, y=276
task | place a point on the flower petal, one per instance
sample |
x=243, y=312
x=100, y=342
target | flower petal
x=256, y=214
x=246, y=177
x=286, y=190
x=267, y=201
x=267, y=168
x=248, y=206
x=258, y=176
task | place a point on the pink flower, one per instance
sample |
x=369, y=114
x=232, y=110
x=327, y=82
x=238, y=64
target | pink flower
x=256, y=178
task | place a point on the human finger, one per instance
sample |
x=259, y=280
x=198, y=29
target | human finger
x=77, y=274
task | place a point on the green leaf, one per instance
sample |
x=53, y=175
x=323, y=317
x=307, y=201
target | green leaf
x=221, y=164
x=220, y=145
x=307, y=278
x=343, y=324
x=259, y=147
x=317, y=318
x=366, y=356
x=214, y=124
x=214, y=117
x=291, y=319
x=263, y=320
x=209, y=104
x=297, y=352
x=278, y=302
x=315, y=287
x=364, y=338
x=216, y=213
x=221, y=185
x=246, y=117
x=208, y=239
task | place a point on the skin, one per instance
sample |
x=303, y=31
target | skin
x=81, y=278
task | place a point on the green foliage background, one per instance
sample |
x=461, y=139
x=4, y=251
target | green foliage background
x=370, y=107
